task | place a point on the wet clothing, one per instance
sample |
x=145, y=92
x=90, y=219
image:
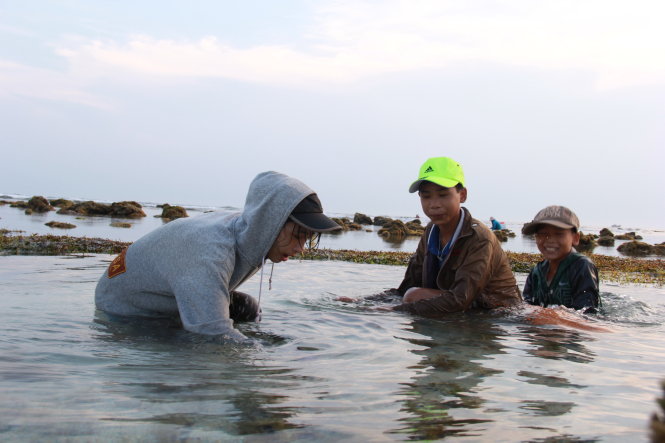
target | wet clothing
x=475, y=273
x=575, y=284
x=190, y=266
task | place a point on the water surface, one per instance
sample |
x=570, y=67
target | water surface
x=321, y=370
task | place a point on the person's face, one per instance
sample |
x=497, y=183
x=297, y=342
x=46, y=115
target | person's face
x=556, y=243
x=290, y=241
x=441, y=205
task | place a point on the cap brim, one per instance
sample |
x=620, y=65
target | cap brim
x=445, y=182
x=315, y=222
x=531, y=228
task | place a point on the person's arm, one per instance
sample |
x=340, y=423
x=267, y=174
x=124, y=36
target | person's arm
x=471, y=277
x=584, y=285
x=202, y=295
x=527, y=292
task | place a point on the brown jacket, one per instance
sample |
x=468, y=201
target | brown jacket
x=476, y=274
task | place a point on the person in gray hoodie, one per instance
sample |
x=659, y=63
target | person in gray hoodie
x=189, y=269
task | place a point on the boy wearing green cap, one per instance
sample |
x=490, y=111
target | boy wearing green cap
x=459, y=263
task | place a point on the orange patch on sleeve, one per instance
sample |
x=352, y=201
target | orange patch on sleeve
x=117, y=266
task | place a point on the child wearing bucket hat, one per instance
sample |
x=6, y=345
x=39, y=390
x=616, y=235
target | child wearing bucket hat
x=564, y=277
x=459, y=264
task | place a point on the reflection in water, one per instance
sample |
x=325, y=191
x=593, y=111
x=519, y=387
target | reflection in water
x=192, y=383
x=454, y=362
x=556, y=343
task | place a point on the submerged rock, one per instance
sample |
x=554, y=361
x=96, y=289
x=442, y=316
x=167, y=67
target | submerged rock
x=362, y=219
x=635, y=248
x=346, y=224
x=60, y=225
x=173, y=212
x=121, y=225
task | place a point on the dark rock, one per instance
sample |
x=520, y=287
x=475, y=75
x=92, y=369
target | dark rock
x=635, y=248
x=397, y=229
x=587, y=242
x=60, y=225
x=125, y=209
x=605, y=240
x=28, y=211
x=343, y=222
x=414, y=227
x=18, y=204
x=62, y=203
x=354, y=226
x=362, y=219
x=173, y=212
x=628, y=236
x=39, y=204
x=382, y=221
x=606, y=233
x=658, y=250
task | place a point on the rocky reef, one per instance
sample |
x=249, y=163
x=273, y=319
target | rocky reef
x=346, y=224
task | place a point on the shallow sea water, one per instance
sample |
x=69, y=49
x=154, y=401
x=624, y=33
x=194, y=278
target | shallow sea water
x=321, y=370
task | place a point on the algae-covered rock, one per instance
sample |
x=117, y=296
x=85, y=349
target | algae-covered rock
x=173, y=212
x=39, y=204
x=414, y=227
x=362, y=219
x=658, y=250
x=500, y=235
x=381, y=221
x=606, y=233
x=121, y=225
x=343, y=222
x=635, y=248
x=60, y=225
x=397, y=229
x=128, y=209
x=587, y=242
x=628, y=236
x=605, y=240
x=125, y=209
x=62, y=203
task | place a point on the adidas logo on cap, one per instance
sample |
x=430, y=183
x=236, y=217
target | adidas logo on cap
x=429, y=169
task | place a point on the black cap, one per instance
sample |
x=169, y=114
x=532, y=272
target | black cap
x=309, y=215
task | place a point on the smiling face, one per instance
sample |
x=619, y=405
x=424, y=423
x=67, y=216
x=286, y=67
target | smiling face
x=290, y=241
x=556, y=243
x=441, y=205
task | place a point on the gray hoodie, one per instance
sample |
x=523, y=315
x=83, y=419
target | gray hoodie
x=188, y=267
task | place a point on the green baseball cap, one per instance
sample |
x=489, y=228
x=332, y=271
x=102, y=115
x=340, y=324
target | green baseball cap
x=444, y=171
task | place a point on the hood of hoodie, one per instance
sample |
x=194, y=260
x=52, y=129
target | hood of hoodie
x=270, y=199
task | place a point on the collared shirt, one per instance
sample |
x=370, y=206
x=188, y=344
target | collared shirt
x=434, y=243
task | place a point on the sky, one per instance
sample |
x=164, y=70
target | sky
x=542, y=102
